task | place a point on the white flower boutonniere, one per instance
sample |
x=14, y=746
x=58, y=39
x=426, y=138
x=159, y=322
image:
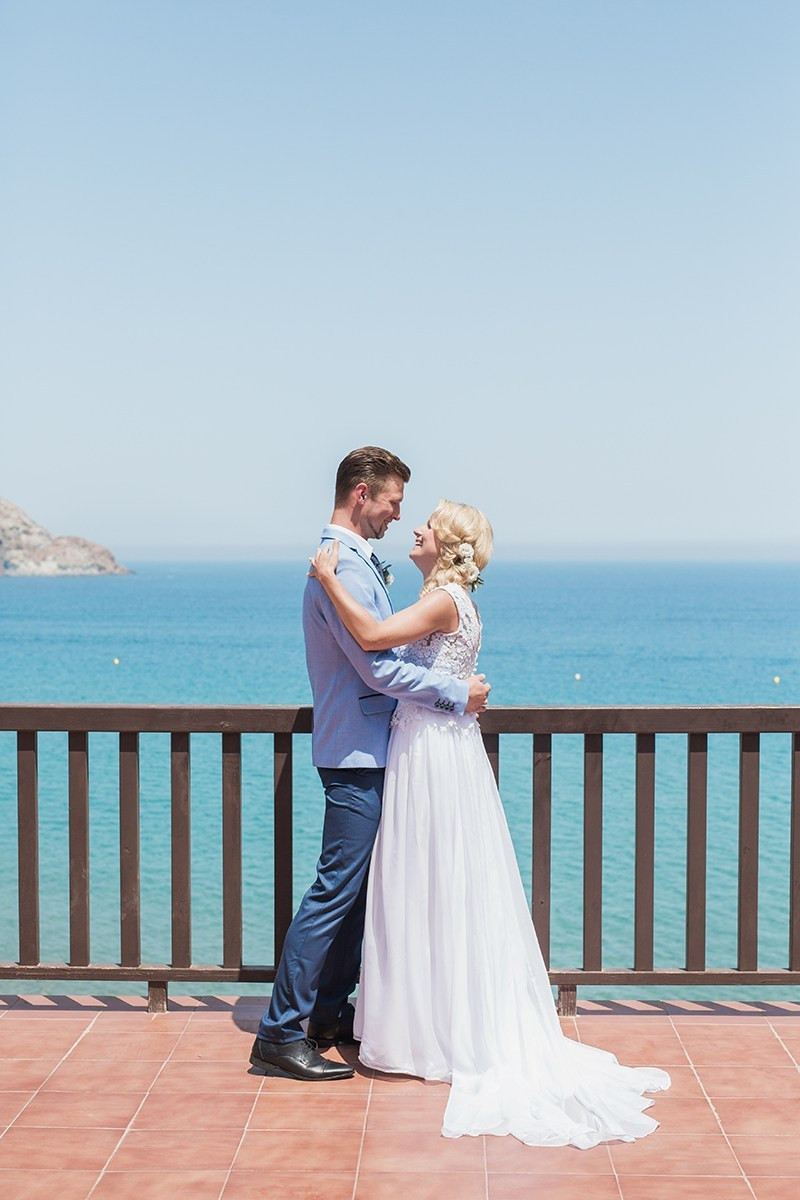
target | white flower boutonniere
x=388, y=577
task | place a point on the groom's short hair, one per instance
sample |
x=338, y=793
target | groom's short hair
x=370, y=465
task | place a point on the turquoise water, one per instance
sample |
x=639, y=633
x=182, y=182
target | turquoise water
x=217, y=634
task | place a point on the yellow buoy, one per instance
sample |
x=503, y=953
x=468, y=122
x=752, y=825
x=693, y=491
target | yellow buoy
x=577, y=677
x=116, y=662
x=777, y=679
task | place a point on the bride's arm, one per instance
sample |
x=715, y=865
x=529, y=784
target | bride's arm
x=435, y=612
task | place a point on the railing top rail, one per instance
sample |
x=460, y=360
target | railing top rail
x=157, y=718
x=297, y=718
x=699, y=718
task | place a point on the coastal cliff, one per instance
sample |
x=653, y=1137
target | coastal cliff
x=29, y=549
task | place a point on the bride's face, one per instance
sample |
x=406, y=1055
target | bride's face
x=426, y=548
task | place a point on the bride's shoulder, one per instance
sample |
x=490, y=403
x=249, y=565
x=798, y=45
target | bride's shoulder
x=447, y=589
x=458, y=597
x=438, y=596
x=456, y=591
x=465, y=605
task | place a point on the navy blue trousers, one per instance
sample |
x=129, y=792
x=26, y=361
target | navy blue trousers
x=322, y=953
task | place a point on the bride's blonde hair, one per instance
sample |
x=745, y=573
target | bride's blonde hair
x=459, y=527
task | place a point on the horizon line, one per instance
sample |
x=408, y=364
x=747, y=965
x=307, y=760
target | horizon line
x=187, y=557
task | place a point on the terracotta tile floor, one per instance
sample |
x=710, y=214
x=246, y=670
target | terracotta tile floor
x=99, y=1099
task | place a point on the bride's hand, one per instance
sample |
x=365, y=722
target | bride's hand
x=324, y=562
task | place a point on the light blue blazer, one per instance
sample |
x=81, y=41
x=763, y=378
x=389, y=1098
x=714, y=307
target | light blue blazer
x=355, y=691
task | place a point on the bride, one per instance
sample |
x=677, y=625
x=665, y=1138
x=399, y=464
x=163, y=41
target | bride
x=453, y=984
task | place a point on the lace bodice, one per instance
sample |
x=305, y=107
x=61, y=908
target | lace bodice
x=451, y=653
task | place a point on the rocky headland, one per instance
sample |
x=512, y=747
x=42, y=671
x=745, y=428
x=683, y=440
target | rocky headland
x=29, y=549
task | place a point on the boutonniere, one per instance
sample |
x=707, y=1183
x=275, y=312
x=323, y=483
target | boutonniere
x=388, y=577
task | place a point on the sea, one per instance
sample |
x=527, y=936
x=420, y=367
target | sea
x=553, y=634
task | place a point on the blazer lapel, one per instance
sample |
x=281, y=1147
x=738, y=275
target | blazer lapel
x=342, y=536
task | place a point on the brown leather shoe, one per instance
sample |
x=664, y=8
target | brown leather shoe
x=296, y=1060
x=334, y=1033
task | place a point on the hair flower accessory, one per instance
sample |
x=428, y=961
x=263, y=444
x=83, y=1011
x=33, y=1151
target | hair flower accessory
x=464, y=559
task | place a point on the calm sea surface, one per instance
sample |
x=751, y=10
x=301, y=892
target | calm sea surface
x=219, y=634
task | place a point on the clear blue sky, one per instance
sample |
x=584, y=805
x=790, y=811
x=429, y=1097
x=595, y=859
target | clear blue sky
x=545, y=251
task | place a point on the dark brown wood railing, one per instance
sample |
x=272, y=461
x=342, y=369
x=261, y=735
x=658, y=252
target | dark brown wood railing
x=283, y=722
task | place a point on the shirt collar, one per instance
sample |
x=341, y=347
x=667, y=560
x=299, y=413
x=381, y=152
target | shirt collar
x=361, y=542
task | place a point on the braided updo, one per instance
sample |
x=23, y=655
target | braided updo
x=464, y=539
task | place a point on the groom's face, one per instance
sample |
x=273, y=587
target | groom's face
x=379, y=510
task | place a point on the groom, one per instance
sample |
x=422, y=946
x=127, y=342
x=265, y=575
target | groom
x=354, y=693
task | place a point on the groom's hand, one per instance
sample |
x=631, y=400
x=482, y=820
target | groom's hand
x=478, y=694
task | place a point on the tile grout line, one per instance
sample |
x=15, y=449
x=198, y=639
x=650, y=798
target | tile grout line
x=783, y=1044
x=363, y=1135
x=127, y=1128
x=712, y=1106
x=240, y=1143
x=44, y=1081
x=614, y=1169
x=607, y=1144
x=485, y=1168
x=195, y=1012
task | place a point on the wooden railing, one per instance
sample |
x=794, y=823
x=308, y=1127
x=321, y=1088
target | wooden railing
x=283, y=722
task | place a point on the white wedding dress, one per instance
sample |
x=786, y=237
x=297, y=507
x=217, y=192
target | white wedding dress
x=453, y=984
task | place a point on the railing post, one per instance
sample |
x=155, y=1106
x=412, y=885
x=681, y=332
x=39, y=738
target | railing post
x=748, y=852
x=232, y=849
x=79, y=951
x=181, y=851
x=567, y=1002
x=644, y=864
x=593, y=852
x=794, y=860
x=542, y=840
x=696, y=837
x=491, y=742
x=28, y=846
x=129, y=893
x=157, y=1000
x=282, y=838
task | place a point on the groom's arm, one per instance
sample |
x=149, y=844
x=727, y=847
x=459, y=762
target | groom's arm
x=384, y=671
